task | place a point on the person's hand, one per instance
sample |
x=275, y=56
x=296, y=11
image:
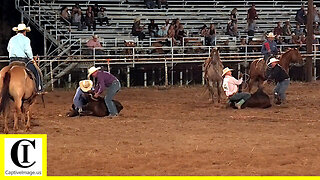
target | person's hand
x=241, y=75
x=96, y=95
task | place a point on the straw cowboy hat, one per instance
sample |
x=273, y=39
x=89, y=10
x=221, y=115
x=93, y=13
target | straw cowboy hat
x=270, y=34
x=95, y=36
x=92, y=70
x=273, y=60
x=225, y=70
x=137, y=19
x=85, y=85
x=21, y=27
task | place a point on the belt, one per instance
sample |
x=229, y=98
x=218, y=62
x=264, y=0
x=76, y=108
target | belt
x=23, y=59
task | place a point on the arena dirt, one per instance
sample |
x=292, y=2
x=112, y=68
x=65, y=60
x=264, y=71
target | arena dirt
x=179, y=132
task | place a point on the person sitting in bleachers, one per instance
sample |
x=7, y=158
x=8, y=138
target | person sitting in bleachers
x=180, y=33
x=94, y=45
x=137, y=29
x=89, y=19
x=233, y=16
x=278, y=29
x=150, y=4
x=162, y=32
x=96, y=9
x=298, y=31
x=172, y=34
x=160, y=2
x=301, y=16
x=231, y=29
x=102, y=16
x=287, y=29
x=65, y=15
x=204, y=33
x=316, y=28
x=316, y=17
x=153, y=28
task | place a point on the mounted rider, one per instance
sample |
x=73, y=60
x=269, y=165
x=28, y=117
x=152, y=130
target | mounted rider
x=269, y=47
x=19, y=49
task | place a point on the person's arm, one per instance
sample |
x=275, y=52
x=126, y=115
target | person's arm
x=28, y=49
x=235, y=81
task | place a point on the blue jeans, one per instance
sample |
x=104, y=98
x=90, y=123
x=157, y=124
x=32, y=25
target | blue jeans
x=112, y=90
x=281, y=89
x=238, y=96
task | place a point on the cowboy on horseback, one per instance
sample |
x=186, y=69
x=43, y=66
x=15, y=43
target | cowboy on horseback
x=269, y=47
x=230, y=86
x=19, y=49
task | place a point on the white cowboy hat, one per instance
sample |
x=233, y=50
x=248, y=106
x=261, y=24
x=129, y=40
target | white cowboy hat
x=92, y=70
x=137, y=19
x=21, y=27
x=225, y=70
x=270, y=34
x=85, y=85
x=95, y=36
x=273, y=60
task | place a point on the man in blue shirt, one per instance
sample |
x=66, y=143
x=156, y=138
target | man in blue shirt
x=106, y=80
x=269, y=47
x=19, y=49
x=79, y=100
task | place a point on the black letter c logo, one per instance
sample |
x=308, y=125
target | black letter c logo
x=14, y=153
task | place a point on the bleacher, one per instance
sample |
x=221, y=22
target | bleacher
x=44, y=14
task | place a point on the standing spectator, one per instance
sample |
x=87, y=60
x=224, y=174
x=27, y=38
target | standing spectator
x=287, y=29
x=301, y=16
x=153, y=28
x=150, y=4
x=76, y=17
x=252, y=14
x=212, y=35
x=278, y=29
x=137, y=29
x=269, y=47
x=94, y=45
x=65, y=15
x=233, y=16
x=102, y=16
x=160, y=2
x=90, y=21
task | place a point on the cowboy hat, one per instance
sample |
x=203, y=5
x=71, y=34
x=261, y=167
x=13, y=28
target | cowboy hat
x=225, y=70
x=92, y=70
x=270, y=34
x=273, y=60
x=137, y=19
x=95, y=36
x=21, y=27
x=85, y=85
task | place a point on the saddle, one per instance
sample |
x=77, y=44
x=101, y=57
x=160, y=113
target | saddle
x=23, y=64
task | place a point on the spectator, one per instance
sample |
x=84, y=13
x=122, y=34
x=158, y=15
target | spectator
x=102, y=16
x=232, y=29
x=150, y=4
x=252, y=14
x=167, y=24
x=269, y=47
x=278, y=29
x=233, y=16
x=172, y=34
x=153, y=28
x=212, y=35
x=287, y=29
x=316, y=17
x=204, y=33
x=180, y=33
x=160, y=2
x=243, y=45
x=316, y=29
x=298, y=31
x=89, y=19
x=96, y=9
x=162, y=32
x=301, y=16
x=137, y=29
x=65, y=15
x=251, y=28
x=77, y=19
x=176, y=24
x=94, y=45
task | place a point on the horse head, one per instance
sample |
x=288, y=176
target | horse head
x=291, y=56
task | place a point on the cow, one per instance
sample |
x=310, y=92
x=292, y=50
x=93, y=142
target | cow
x=259, y=99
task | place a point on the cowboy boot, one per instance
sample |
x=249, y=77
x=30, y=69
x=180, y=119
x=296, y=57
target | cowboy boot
x=239, y=104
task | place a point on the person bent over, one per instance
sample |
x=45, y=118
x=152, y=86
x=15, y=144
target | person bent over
x=106, y=80
x=79, y=99
x=230, y=86
x=281, y=77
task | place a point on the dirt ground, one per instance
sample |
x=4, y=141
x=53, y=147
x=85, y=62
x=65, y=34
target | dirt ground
x=179, y=132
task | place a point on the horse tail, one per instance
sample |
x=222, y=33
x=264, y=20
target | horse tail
x=5, y=96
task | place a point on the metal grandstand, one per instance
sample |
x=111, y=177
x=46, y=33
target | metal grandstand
x=64, y=45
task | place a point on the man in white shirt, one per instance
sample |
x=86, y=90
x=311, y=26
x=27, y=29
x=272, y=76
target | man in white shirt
x=19, y=49
x=230, y=86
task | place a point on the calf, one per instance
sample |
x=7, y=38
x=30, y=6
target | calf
x=259, y=99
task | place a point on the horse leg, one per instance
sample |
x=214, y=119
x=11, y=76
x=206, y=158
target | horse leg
x=28, y=113
x=5, y=116
x=17, y=111
x=219, y=91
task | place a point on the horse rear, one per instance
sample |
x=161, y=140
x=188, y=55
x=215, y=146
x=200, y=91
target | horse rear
x=257, y=73
x=16, y=84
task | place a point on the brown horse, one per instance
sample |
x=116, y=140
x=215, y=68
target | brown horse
x=258, y=67
x=17, y=84
x=213, y=73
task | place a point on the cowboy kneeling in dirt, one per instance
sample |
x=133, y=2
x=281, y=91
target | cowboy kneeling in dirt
x=230, y=86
